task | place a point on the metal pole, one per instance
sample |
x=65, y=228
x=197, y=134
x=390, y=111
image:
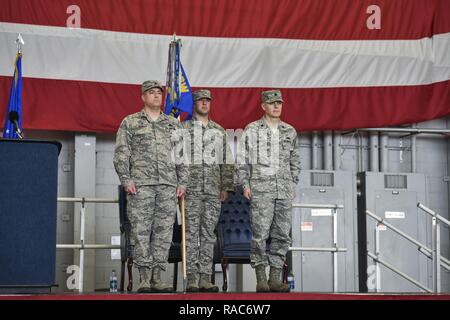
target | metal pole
x=314, y=155
x=377, y=253
x=334, y=253
x=413, y=152
x=87, y=246
x=309, y=249
x=402, y=274
x=436, y=256
x=360, y=153
x=407, y=130
x=317, y=206
x=384, y=157
x=336, y=150
x=433, y=255
x=328, y=150
x=404, y=235
x=445, y=263
x=82, y=231
x=374, y=152
x=434, y=214
x=88, y=200
x=183, y=242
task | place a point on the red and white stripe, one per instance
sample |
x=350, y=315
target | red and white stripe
x=333, y=72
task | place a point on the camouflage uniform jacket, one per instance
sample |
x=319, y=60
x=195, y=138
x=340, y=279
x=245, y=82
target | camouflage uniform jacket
x=144, y=151
x=216, y=173
x=261, y=174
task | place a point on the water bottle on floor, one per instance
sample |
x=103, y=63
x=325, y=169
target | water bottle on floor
x=291, y=281
x=113, y=282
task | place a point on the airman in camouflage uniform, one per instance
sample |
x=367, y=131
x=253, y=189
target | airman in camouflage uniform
x=268, y=173
x=144, y=162
x=210, y=178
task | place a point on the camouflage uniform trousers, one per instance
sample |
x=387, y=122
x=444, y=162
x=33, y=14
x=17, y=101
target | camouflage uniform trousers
x=270, y=217
x=202, y=215
x=152, y=214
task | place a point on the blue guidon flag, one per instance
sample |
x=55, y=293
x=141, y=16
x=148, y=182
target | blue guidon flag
x=178, y=91
x=13, y=119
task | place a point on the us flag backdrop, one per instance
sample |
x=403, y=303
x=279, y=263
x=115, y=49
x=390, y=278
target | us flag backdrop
x=339, y=64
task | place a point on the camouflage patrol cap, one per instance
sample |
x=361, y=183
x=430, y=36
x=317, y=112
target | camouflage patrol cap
x=201, y=94
x=271, y=96
x=150, y=84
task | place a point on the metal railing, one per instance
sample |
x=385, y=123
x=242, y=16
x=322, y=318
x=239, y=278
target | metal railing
x=436, y=219
x=431, y=253
x=334, y=249
x=82, y=246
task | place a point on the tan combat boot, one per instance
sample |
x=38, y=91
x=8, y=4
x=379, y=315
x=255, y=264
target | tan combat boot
x=157, y=285
x=261, y=279
x=192, y=285
x=206, y=285
x=275, y=283
x=145, y=275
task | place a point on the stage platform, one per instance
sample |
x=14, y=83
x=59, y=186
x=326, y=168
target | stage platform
x=227, y=296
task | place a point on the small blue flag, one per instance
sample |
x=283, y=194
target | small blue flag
x=178, y=91
x=14, y=112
